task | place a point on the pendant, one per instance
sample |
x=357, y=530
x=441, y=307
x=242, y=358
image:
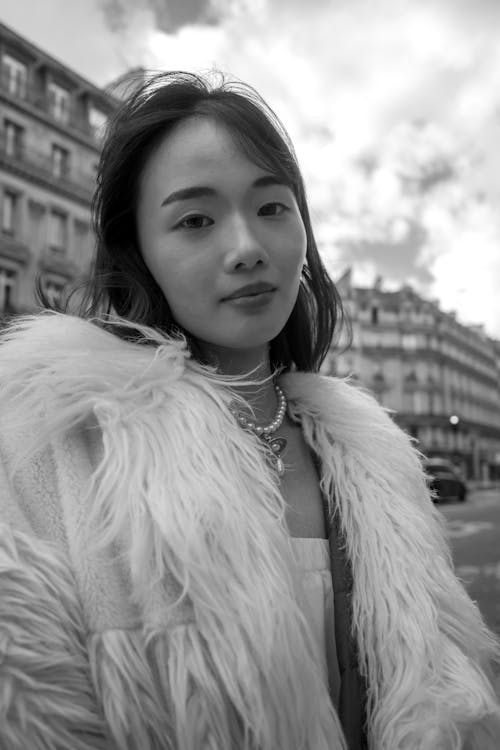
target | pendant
x=277, y=445
x=280, y=466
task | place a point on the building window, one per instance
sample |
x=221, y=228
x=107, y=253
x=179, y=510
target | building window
x=60, y=161
x=14, y=76
x=7, y=285
x=36, y=225
x=374, y=315
x=52, y=290
x=379, y=385
x=420, y=403
x=9, y=212
x=13, y=138
x=83, y=247
x=58, y=230
x=407, y=310
x=59, y=102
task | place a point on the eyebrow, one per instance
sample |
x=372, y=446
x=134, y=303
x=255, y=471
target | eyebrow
x=201, y=191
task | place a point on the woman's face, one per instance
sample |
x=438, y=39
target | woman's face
x=210, y=222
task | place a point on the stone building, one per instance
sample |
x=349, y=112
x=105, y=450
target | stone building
x=51, y=121
x=439, y=377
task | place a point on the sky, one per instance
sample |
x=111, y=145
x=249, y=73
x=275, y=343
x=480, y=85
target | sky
x=393, y=107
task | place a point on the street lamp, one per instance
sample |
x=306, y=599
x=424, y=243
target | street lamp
x=454, y=423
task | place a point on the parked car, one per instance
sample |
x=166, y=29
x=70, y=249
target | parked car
x=445, y=480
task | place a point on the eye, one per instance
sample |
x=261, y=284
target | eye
x=196, y=221
x=272, y=209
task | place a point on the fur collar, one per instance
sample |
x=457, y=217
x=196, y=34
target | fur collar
x=163, y=484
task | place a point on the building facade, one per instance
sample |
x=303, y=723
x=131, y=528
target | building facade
x=51, y=123
x=440, y=378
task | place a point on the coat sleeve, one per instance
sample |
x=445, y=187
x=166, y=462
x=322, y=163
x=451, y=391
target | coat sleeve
x=46, y=694
x=425, y=650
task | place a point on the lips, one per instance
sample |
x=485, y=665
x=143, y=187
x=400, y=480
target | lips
x=251, y=290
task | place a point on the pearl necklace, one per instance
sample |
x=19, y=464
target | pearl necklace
x=265, y=432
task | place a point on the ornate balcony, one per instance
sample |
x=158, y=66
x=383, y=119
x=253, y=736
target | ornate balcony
x=55, y=260
x=14, y=249
x=36, y=98
x=37, y=167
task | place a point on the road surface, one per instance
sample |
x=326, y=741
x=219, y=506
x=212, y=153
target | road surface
x=474, y=529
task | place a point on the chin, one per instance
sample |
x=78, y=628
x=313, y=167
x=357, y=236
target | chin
x=246, y=338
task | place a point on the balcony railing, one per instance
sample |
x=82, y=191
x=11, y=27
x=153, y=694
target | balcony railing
x=38, y=166
x=39, y=98
x=14, y=249
x=55, y=259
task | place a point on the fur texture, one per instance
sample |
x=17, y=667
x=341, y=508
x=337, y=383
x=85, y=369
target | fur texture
x=422, y=641
x=181, y=592
x=47, y=699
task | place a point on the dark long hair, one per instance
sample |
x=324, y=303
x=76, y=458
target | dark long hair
x=120, y=282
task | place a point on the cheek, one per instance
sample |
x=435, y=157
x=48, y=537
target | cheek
x=295, y=248
x=185, y=281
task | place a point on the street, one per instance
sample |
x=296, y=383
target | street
x=474, y=528
x=475, y=538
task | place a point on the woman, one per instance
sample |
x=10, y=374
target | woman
x=206, y=544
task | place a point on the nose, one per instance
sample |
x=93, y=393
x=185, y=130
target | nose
x=244, y=249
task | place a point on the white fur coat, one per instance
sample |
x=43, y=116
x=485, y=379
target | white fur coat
x=148, y=593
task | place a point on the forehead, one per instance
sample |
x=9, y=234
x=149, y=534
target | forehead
x=201, y=136
x=197, y=149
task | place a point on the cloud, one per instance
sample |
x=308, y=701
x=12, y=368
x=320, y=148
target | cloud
x=393, y=106
x=168, y=16
x=466, y=267
x=408, y=86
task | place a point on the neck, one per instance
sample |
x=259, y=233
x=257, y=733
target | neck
x=255, y=364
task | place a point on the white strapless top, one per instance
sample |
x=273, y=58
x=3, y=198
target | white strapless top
x=313, y=558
